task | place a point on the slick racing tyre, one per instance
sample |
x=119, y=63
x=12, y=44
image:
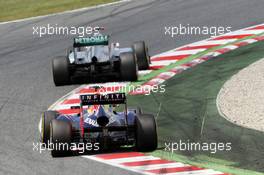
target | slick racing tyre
x=141, y=52
x=46, y=118
x=60, y=69
x=128, y=67
x=146, y=133
x=60, y=137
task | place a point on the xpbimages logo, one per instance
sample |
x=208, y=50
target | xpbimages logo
x=80, y=147
x=212, y=147
x=180, y=30
x=55, y=29
x=140, y=89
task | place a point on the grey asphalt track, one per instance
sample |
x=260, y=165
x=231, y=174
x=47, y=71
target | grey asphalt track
x=27, y=89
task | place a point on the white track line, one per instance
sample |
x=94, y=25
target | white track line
x=162, y=63
x=196, y=172
x=242, y=32
x=213, y=42
x=250, y=41
x=65, y=12
x=159, y=166
x=178, y=53
x=231, y=47
x=132, y=159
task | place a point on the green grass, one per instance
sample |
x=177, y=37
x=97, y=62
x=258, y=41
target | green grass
x=189, y=113
x=207, y=162
x=154, y=73
x=18, y=9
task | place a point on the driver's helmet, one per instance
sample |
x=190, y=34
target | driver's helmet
x=93, y=108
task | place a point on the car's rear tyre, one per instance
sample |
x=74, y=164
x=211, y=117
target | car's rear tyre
x=141, y=52
x=146, y=133
x=128, y=67
x=60, y=137
x=46, y=118
x=60, y=69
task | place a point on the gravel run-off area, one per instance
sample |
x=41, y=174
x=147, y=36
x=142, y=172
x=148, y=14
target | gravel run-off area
x=241, y=99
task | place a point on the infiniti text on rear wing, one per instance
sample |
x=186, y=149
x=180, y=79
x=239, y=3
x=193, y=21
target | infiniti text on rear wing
x=97, y=99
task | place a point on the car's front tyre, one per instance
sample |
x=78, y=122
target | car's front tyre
x=46, y=118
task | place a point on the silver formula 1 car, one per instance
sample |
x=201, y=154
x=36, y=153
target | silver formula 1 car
x=101, y=120
x=93, y=58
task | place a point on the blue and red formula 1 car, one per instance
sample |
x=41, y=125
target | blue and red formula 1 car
x=104, y=119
